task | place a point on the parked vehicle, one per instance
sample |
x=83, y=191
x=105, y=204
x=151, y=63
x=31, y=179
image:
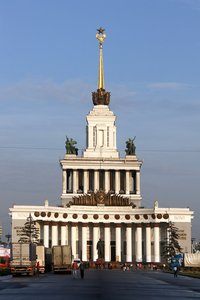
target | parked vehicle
x=23, y=259
x=4, y=265
x=4, y=259
x=40, y=253
x=62, y=258
x=48, y=259
x=191, y=260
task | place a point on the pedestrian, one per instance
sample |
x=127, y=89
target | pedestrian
x=37, y=269
x=175, y=269
x=75, y=269
x=82, y=270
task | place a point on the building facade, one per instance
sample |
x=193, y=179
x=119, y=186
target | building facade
x=101, y=197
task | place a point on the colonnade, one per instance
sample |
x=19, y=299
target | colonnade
x=138, y=247
x=124, y=181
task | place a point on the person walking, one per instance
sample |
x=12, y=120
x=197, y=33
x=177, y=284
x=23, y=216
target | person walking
x=75, y=269
x=37, y=269
x=82, y=270
x=175, y=271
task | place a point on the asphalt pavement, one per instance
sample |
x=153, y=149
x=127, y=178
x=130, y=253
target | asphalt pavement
x=101, y=284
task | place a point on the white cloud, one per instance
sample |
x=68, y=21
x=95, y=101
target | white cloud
x=28, y=90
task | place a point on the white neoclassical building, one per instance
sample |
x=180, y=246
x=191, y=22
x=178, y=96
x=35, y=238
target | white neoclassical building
x=101, y=198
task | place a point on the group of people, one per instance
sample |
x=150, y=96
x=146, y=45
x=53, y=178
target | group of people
x=78, y=270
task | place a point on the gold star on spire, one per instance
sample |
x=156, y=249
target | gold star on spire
x=101, y=30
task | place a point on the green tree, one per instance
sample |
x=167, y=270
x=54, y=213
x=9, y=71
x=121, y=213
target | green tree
x=172, y=246
x=29, y=233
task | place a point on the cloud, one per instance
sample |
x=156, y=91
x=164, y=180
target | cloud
x=168, y=85
x=194, y=4
x=28, y=90
x=31, y=93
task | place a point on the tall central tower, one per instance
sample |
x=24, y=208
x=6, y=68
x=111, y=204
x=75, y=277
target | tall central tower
x=100, y=168
x=101, y=129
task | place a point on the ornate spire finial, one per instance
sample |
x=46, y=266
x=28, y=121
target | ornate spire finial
x=101, y=97
x=101, y=37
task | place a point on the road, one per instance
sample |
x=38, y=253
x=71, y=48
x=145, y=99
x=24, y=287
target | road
x=101, y=284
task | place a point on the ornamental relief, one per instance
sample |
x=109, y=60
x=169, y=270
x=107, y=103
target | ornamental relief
x=101, y=198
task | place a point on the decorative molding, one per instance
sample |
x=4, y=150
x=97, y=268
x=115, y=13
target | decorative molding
x=100, y=197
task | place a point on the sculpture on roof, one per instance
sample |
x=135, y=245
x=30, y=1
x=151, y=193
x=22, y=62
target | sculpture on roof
x=130, y=147
x=70, y=146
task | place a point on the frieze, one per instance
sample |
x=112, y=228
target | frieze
x=101, y=198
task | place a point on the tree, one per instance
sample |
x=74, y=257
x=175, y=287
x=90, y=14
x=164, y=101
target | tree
x=172, y=246
x=29, y=233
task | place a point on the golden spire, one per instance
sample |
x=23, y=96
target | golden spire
x=101, y=97
x=101, y=37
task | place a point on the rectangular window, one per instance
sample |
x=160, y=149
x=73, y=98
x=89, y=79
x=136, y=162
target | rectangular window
x=133, y=183
x=80, y=181
x=112, y=181
x=91, y=180
x=107, y=136
x=101, y=138
x=94, y=136
x=101, y=180
x=122, y=182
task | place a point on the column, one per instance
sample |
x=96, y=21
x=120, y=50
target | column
x=118, y=242
x=73, y=239
x=63, y=233
x=96, y=180
x=138, y=240
x=39, y=226
x=148, y=242
x=96, y=235
x=107, y=181
x=46, y=234
x=84, y=241
x=107, y=241
x=138, y=182
x=75, y=185
x=129, y=242
x=117, y=182
x=86, y=181
x=64, y=182
x=127, y=182
x=156, y=242
x=54, y=234
x=67, y=233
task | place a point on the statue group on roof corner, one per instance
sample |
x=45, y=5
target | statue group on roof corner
x=130, y=147
x=70, y=146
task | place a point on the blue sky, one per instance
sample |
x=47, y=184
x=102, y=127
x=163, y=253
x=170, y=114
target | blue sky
x=48, y=69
